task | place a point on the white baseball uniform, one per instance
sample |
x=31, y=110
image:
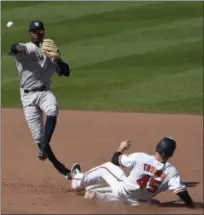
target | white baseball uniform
x=35, y=70
x=147, y=178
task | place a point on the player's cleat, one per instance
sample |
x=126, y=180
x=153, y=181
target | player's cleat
x=90, y=195
x=42, y=155
x=76, y=168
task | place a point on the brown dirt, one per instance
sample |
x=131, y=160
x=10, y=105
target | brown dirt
x=32, y=186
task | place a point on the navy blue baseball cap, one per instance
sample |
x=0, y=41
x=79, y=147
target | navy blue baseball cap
x=36, y=25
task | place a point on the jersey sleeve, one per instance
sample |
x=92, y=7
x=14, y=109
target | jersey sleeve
x=175, y=184
x=27, y=49
x=30, y=47
x=128, y=160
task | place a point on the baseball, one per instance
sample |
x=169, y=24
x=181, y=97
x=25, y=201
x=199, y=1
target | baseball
x=10, y=24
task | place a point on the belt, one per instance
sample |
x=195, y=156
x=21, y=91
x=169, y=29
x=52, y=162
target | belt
x=39, y=89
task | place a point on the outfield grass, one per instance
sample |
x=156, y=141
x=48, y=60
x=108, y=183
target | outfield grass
x=125, y=56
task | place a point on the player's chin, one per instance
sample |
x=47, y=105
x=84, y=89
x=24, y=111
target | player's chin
x=40, y=38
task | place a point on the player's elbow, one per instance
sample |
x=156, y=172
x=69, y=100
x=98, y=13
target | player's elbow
x=64, y=68
x=17, y=48
x=13, y=48
x=66, y=73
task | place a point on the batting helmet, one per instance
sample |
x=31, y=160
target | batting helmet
x=166, y=147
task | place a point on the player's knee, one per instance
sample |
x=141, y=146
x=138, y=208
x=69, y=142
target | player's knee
x=52, y=110
x=38, y=139
x=36, y=131
x=116, y=170
x=109, y=165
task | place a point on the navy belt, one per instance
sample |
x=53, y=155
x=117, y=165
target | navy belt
x=39, y=89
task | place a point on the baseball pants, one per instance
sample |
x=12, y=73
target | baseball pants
x=34, y=104
x=111, y=174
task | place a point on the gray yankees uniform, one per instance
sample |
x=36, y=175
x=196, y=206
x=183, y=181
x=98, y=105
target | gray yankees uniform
x=35, y=70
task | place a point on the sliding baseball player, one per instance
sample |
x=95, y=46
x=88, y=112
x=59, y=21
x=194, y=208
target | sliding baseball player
x=149, y=175
x=36, y=62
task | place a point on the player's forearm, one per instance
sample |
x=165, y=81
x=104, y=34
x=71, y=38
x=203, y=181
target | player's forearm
x=185, y=197
x=115, y=158
x=121, y=149
x=124, y=145
x=16, y=48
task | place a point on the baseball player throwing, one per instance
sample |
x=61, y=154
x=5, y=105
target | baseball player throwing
x=149, y=175
x=36, y=61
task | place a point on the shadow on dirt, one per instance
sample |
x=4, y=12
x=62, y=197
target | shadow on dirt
x=191, y=184
x=178, y=204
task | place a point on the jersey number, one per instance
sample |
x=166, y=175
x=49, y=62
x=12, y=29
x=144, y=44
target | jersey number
x=152, y=186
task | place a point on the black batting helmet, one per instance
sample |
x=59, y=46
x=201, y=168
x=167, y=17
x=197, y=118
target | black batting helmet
x=166, y=147
x=36, y=25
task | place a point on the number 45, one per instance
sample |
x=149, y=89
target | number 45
x=152, y=186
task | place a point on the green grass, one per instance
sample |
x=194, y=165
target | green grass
x=125, y=56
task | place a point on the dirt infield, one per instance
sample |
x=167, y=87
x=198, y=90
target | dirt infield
x=33, y=186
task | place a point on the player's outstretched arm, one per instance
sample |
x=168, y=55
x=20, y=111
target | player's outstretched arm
x=186, y=198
